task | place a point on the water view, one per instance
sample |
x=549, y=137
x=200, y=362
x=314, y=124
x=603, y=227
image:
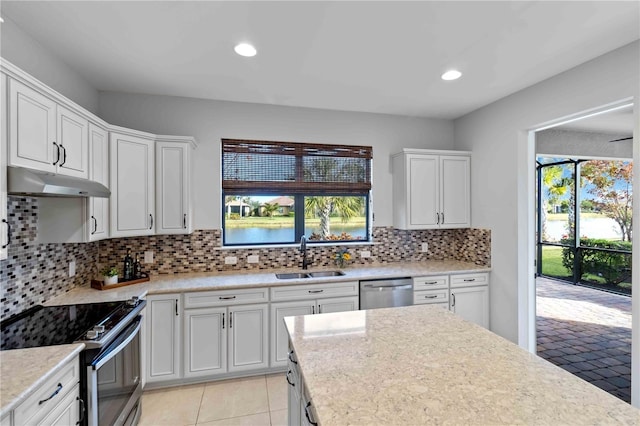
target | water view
x=263, y=235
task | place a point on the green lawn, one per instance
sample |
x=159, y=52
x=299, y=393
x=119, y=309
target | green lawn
x=552, y=263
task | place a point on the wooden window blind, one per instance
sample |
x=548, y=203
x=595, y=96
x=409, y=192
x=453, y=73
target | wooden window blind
x=294, y=168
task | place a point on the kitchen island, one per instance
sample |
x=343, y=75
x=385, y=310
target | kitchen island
x=424, y=365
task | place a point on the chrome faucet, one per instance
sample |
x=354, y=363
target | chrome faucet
x=303, y=249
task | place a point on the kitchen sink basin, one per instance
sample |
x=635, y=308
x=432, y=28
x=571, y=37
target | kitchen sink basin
x=320, y=274
x=292, y=276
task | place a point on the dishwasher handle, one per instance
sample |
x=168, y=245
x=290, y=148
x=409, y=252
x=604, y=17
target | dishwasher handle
x=389, y=287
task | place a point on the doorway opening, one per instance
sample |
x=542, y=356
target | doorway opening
x=583, y=248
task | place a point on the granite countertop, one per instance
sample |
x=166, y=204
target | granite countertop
x=35, y=366
x=202, y=281
x=424, y=365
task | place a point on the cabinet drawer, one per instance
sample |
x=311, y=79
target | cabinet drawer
x=430, y=283
x=41, y=402
x=467, y=280
x=315, y=291
x=430, y=296
x=205, y=299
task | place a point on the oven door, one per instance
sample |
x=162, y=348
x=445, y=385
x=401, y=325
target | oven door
x=114, y=387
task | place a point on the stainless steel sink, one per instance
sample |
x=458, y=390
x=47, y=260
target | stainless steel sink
x=292, y=276
x=320, y=274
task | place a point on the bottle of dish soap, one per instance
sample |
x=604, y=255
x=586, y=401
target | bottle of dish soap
x=128, y=266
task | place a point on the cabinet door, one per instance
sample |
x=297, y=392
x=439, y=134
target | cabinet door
x=205, y=332
x=163, y=337
x=4, y=224
x=279, y=336
x=132, y=186
x=455, y=196
x=472, y=304
x=32, y=124
x=98, y=172
x=66, y=413
x=248, y=337
x=337, y=304
x=172, y=188
x=73, y=134
x=423, y=182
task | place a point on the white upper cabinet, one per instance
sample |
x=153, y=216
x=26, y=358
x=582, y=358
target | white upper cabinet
x=32, y=127
x=98, y=172
x=73, y=133
x=132, y=185
x=173, y=201
x=431, y=189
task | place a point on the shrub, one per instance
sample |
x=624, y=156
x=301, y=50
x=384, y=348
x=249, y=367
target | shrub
x=233, y=216
x=613, y=267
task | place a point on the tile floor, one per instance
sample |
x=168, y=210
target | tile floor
x=587, y=332
x=255, y=401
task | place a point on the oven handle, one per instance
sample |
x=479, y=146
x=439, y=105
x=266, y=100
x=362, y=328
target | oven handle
x=106, y=357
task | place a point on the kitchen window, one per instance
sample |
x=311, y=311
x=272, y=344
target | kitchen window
x=276, y=192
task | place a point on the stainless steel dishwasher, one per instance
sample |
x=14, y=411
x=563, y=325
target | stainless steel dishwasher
x=386, y=293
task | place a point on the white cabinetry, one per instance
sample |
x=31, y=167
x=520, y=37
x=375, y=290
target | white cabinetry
x=173, y=200
x=98, y=172
x=164, y=343
x=306, y=300
x=132, y=185
x=4, y=224
x=223, y=334
x=431, y=189
x=430, y=290
x=470, y=297
x=46, y=136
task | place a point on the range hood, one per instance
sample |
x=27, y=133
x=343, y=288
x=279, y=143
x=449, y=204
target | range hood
x=21, y=181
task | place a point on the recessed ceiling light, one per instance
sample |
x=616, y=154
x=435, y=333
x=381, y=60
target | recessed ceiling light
x=451, y=75
x=245, y=49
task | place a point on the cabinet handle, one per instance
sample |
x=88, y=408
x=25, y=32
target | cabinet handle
x=95, y=225
x=55, y=392
x=57, y=153
x=184, y=221
x=291, y=358
x=64, y=155
x=319, y=309
x=313, y=309
x=230, y=319
x=315, y=291
x=4, y=246
x=442, y=217
x=437, y=218
x=454, y=300
x=83, y=410
x=432, y=296
x=469, y=280
x=431, y=282
x=223, y=320
x=151, y=217
x=176, y=307
x=306, y=413
x=227, y=298
x=289, y=381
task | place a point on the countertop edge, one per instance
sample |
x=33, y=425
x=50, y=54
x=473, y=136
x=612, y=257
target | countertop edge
x=11, y=405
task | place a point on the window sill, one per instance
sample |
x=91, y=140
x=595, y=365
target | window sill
x=297, y=246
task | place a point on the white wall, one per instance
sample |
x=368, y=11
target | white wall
x=20, y=49
x=501, y=176
x=209, y=121
x=572, y=143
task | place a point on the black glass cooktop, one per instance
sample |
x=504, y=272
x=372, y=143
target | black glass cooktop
x=58, y=325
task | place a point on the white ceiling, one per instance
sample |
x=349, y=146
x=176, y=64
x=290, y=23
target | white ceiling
x=384, y=57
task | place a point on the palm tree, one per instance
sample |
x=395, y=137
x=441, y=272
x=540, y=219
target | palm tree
x=345, y=207
x=269, y=209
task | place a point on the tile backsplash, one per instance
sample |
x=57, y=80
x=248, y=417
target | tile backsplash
x=36, y=272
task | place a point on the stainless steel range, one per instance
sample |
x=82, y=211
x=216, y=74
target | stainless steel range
x=110, y=384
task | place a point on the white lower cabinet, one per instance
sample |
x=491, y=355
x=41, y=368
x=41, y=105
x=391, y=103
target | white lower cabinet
x=225, y=340
x=66, y=413
x=163, y=338
x=470, y=297
x=294, y=381
x=279, y=336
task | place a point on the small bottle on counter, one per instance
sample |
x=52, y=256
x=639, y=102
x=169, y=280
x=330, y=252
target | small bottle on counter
x=137, y=268
x=128, y=266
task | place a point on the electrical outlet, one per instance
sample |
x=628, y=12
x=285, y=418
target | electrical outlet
x=364, y=254
x=72, y=268
x=230, y=260
x=253, y=258
x=148, y=257
x=425, y=247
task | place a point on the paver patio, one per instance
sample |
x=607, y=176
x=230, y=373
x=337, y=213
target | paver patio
x=586, y=332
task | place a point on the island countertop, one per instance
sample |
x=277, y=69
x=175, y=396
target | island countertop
x=424, y=365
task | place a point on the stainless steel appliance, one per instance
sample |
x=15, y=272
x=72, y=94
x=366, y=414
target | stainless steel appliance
x=110, y=369
x=386, y=293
